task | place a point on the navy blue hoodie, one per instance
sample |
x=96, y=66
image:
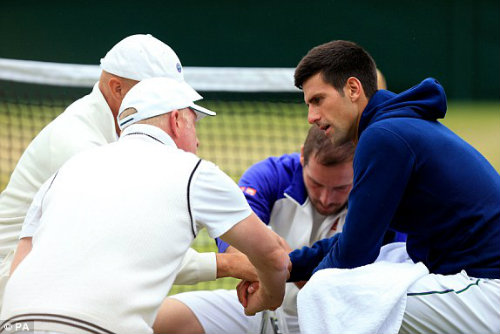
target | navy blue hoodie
x=414, y=175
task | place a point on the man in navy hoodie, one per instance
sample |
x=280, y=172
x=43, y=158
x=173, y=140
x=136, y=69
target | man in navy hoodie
x=413, y=175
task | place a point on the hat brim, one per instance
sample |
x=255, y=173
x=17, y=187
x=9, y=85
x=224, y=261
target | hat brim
x=190, y=92
x=201, y=111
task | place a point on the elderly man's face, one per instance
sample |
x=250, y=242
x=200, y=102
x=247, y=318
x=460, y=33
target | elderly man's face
x=188, y=141
x=328, y=187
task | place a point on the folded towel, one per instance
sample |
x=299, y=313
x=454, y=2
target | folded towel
x=369, y=299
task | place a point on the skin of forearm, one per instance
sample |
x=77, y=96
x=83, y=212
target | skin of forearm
x=23, y=249
x=273, y=275
x=233, y=263
x=266, y=252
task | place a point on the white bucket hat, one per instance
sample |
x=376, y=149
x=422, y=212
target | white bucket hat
x=157, y=96
x=139, y=57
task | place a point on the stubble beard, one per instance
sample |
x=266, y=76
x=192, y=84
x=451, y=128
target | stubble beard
x=339, y=137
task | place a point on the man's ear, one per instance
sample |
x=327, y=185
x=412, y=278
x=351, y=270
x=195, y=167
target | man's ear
x=302, y=155
x=173, y=122
x=353, y=88
x=116, y=89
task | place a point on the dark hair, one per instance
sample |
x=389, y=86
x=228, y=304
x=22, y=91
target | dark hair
x=338, y=61
x=326, y=152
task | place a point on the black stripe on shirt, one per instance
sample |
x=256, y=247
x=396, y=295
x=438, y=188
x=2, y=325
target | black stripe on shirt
x=188, y=197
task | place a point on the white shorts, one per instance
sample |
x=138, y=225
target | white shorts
x=219, y=311
x=452, y=304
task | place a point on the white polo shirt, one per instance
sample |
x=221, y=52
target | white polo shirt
x=85, y=124
x=114, y=226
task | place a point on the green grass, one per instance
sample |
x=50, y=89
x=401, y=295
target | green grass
x=244, y=133
x=479, y=125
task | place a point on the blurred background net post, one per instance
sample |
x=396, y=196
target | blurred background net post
x=241, y=57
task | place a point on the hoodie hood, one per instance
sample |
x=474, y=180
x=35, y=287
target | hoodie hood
x=426, y=100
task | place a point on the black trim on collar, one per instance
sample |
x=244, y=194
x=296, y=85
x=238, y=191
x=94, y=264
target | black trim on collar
x=145, y=134
x=127, y=121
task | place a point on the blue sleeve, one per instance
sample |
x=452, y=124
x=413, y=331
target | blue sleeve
x=304, y=260
x=261, y=189
x=383, y=164
x=221, y=245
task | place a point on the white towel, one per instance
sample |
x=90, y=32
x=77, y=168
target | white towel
x=369, y=299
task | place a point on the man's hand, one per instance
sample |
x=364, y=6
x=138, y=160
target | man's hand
x=267, y=252
x=233, y=263
x=243, y=292
x=253, y=298
x=244, y=289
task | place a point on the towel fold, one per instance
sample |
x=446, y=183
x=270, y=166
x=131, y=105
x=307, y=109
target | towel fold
x=369, y=299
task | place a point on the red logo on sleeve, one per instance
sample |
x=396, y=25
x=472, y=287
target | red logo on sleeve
x=250, y=191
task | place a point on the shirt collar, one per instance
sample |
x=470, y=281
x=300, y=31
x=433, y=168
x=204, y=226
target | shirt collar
x=297, y=189
x=106, y=119
x=151, y=131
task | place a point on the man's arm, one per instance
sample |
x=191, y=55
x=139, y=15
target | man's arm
x=303, y=263
x=31, y=224
x=233, y=263
x=265, y=251
x=23, y=248
x=236, y=264
x=306, y=259
x=261, y=184
x=202, y=267
x=197, y=267
x=219, y=206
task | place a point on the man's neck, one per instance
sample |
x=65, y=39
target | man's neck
x=361, y=105
x=111, y=104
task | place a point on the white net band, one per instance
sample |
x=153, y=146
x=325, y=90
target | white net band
x=220, y=79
